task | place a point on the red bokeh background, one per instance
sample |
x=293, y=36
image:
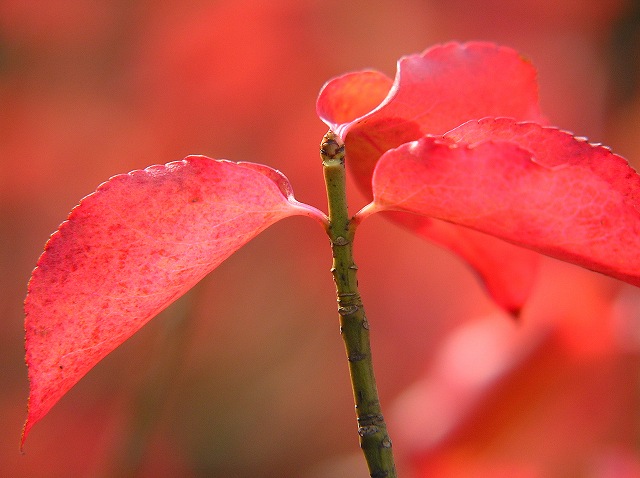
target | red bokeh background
x=246, y=375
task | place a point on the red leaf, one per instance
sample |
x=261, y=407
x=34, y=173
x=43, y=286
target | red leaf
x=432, y=93
x=130, y=249
x=562, y=197
x=508, y=272
x=347, y=97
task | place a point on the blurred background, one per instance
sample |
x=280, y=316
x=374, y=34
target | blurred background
x=246, y=375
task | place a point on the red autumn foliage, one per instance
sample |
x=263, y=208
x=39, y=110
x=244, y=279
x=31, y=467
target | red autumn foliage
x=129, y=250
x=138, y=243
x=433, y=93
x=536, y=187
x=561, y=54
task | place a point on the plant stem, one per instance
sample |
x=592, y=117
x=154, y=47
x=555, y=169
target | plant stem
x=354, y=327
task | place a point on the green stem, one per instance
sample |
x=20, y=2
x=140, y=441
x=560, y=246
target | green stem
x=354, y=327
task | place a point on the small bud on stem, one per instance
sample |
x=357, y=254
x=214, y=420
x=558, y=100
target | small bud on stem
x=332, y=148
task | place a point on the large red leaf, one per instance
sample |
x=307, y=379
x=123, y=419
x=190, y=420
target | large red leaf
x=561, y=196
x=130, y=249
x=434, y=92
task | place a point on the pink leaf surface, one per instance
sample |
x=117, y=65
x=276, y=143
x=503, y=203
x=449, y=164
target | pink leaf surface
x=347, y=97
x=130, y=249
x=560, y=196
x=508, y=272
x=434, y=92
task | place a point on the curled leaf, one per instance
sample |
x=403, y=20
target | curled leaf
x=350, y=96
x=131, y=248
x=432, y=93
